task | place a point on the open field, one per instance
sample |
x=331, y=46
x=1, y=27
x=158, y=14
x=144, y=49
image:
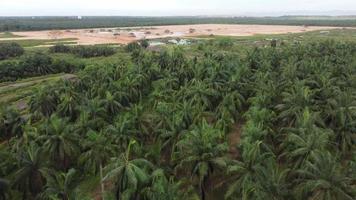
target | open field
x=24, y=42
x=8, y=35
x=127, y=35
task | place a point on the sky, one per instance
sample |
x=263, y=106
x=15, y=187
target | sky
x=175, y=7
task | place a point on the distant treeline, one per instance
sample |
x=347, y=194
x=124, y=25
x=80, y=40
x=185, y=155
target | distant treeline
x=45, y=23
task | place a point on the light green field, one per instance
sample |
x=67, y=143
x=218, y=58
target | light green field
x=34, y=43
x=9, y=35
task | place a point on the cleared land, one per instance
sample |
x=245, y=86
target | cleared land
x=127, y=35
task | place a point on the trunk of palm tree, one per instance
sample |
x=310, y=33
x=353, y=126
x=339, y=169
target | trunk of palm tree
x=101, y=181
x=202, y=191
x=24, y=194
x=36, y=183
x=118, y=193
x=2, y=195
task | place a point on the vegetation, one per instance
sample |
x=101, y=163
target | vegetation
x=208, y=121
x=36, y=64
x=38, y=42
x=18, y=93
x=84, y=51
x=8, y=50
x=8, y=35
x=45, y=23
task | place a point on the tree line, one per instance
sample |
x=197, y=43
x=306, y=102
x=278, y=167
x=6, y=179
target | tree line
x=10, y=50
x=71, y=22
x=36, y=64
x=84, y=51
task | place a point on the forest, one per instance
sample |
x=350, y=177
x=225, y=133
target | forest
x=72, y=22
x=214, y=120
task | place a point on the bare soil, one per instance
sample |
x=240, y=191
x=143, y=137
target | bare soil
x=234, y=138
x=130, y=34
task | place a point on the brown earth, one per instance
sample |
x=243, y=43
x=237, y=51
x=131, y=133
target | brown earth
x=234, y=138
x=126, y=35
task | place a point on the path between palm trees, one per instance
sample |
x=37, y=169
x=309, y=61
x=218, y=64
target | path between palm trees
x=17, y=92
x=234, y=138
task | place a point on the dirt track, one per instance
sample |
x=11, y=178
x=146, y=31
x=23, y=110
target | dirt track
x=127, y=35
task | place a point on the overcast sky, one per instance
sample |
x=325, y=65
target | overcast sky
x=175, y=7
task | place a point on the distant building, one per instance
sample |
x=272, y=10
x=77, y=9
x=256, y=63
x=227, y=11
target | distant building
x=80, y=17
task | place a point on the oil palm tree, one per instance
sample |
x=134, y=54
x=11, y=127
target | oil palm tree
x=130, y=174
x=273, y=181
x=162, y=188
x=59, y=141
x=304, y=144
x=11, y=123
x=4, y=187
x=122, y=131
x=244, y=173
x=95, y=110
x=294, y=102
x=305, y=139
x=111, y=105
x=44, y=101
x=343, y=121
x=69, y=102
x=61, y=186
x=198, y=93
x=325, y=178
x=98, y=149
x=30, y=174
x=201, y=151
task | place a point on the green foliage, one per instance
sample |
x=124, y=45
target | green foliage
x=83, y=51
x=9, y=50
x=67, y=22
x=61, y=185
x=133, y=46
x=92, y=51
x=224, y=42
x=60, y=48
x=185, y=123
x=144, y=43
x=36, y=64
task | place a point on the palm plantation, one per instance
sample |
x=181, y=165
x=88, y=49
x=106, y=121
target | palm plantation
x=212, y=120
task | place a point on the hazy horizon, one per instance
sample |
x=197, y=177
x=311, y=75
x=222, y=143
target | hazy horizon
x=177, y=8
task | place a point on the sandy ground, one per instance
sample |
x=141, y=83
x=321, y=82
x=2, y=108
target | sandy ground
x=129, y=34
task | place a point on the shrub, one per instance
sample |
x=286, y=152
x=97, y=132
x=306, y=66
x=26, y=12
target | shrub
x=225, y=42
x=273, y=43
x=67, y=65
x=133, y=46
x=37, y=64
x=8, y=50
x=60, y=48
x=10, y=71
x=144, y=43
x=93, y=51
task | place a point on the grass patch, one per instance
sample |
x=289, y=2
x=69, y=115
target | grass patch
x=9, y=35
x=34, y=43
x=11, y=93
